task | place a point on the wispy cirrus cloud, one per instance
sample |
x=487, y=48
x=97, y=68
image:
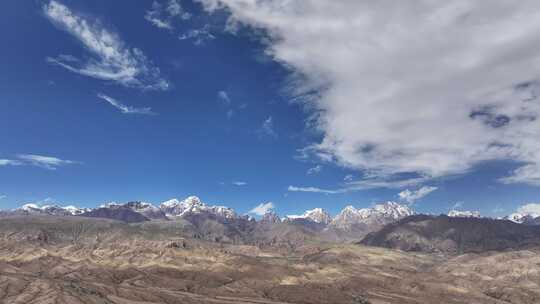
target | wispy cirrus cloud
x=46, y=162
x=110, y=59
x=2, y=196
x=267, y=128
x=316, y=190
x=163, y=14
x=314, y=170
x=224, y=98
x=437, y=107
x=9, y=162
x=239, y=183
x=369, y=182
x=124, y=108
x=262, y=208
x=198, y=36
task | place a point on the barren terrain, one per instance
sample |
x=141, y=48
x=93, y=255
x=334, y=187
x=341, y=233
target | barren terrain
x=73, y=260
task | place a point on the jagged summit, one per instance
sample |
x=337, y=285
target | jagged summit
x=317, y=215
x=380, y=213
x=270, y=217
x=193, y=204
x=524, y=218
x=32, y=208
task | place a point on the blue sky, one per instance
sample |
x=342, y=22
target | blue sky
x=237, y=105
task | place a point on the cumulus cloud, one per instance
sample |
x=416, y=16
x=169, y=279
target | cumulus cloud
x=162, y=15
x=262, y=208
x=431, y=88
x=125, y=109
x=110, y=59
x=314, y=170
x=412, y=196
x=46, y=162
x=531, y=209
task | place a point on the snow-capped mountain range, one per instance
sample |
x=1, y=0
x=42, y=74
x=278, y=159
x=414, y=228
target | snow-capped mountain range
x=192, y=204
x=51, y=209
x=317, y=215
x=350, y=216
x=175, y=208
x=379, y=214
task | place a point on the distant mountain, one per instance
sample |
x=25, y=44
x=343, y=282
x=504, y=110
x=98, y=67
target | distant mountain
x=380, y=214
x=215, y=222
x=49, y=210
x=193, y=205
x=454, y=235
x=146, y=209
x=458, y=213
x=117, y=212
x=524, y=218
x=270, y=217
x=317, y=215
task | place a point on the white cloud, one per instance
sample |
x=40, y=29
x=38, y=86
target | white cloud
x=425, y=87
x=230, y=113
x=348, y=177
x=262, y=208
x=532, y=209
x=239, y=183
x=267, y=128
x=412, y=196
x=2, y=197
x=314, y=170
x=175, y=9
x=46, y=162
x=223, y=96
x=125, y=109
x=163, y=15
x=364, y=184
x=199, y=36
x=315, y=190
x=112, y=60
x=498, y=209
x=457, y=205
x=9, y=162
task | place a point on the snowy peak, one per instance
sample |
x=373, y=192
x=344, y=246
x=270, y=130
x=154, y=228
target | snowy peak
x=524, y=218
x=458, y=213
x=76, y=210
x=392, y=210
x=317, y=215
x=32, y=208
x=193, y=204
x=380, y=213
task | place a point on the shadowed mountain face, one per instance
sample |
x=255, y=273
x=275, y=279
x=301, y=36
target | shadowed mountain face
x=75, y=260
x=119, y=213
x=454, y=235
